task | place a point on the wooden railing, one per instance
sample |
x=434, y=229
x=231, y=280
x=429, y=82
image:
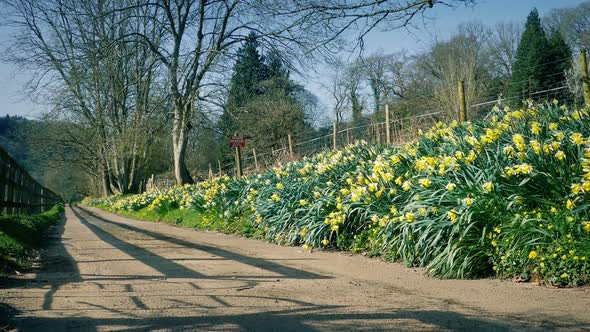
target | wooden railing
x=19, y=192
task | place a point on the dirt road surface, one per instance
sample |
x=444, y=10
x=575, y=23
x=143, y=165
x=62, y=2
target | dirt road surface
x=105, y=272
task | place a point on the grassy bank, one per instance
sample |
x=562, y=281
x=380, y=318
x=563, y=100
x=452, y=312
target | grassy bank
x=508, y=196
x=202, y=220
x=20, y=235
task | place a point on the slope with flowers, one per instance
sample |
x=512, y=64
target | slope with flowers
x=508, y=196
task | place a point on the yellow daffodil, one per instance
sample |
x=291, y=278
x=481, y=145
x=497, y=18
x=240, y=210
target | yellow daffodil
x=406, y=185
x=577, y=188
x=560, y=155
x=452, y=215
x=508, y=150
x=275, y=197
x=393, y=210
x=518, y=139
x=303, y=232
x=577, y=138
x=425, y=182
x=535, y=128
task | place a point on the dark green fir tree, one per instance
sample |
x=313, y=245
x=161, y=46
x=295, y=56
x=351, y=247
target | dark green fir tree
x=532, y=67
x=249, y=71
x=561, y=61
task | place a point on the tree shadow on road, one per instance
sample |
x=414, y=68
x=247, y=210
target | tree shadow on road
x=57, y=269
x=312, y=318
x=170, y=268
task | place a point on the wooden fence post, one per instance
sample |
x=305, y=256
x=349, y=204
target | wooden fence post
x=37, y=198
x=42, y=199
x=387, y=126
x=291, y=154
x=462, y=105
x=347, y=136
x=29, y=185
x=334, y=140
x=11, y=179
x=3, y=182
x=238, y=163
x=585, y=80
x=219, y=167
x=210, y=172
x=18, y=190
x=255, y=159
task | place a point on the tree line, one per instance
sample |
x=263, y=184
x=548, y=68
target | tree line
x=509, y=61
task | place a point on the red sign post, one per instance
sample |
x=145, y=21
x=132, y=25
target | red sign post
x=237, y=142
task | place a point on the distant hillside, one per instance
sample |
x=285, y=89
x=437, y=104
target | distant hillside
x=12, y=138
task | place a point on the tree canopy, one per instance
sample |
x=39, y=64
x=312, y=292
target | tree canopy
x=540, y=62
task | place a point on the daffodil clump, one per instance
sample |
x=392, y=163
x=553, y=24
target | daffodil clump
x=507, y=196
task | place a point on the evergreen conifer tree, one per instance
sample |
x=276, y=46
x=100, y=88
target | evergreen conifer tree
x=249, y=71
x=531, y=67
x=561, y=61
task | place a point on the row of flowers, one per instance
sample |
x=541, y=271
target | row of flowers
x=507, y=196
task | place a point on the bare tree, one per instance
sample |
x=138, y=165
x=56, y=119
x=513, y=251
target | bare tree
x=573, y=23
x=389, y=77
x=460, y=58
x=99, y=83
x=502, y=44
x=200, y=35
x=338, y=90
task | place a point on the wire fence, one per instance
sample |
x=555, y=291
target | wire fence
x=395, y=130
x=401, y=131
x=481, y=108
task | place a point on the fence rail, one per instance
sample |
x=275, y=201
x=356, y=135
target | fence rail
x=19, y=192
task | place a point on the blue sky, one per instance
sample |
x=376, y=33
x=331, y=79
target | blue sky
x=441, y=23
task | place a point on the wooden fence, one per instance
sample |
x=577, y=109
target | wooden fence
x=19, y=192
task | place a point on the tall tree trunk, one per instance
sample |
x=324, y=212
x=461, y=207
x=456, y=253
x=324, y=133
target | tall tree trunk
x=105, y=172
x=376, y=95
x=181, y=127
x=106, y=182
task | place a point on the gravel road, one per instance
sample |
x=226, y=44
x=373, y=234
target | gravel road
x=101, y=272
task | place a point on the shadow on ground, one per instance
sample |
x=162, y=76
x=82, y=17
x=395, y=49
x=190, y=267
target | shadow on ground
x=59, y=269
x=312, y=318
x=172, y=269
